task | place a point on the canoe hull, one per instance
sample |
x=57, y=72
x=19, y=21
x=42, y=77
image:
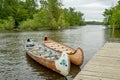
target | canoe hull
x=51, y=64
x=76, y=56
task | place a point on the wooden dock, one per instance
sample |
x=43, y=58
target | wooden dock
x=105, y=64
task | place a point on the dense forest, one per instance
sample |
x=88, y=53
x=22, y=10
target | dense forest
x=29, y=15
x=112, y=16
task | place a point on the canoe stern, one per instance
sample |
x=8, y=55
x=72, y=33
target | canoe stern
x=77, y=57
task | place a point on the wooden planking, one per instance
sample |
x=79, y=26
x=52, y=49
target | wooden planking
x=100, y=74
x=105, y=64
x=85, y=77
x=106, y=61
x=102, y=69
x=111, y=45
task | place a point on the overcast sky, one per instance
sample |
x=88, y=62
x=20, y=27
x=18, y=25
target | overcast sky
x=92, y=9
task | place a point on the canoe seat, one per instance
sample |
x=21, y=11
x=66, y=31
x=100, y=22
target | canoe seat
x=50, y=57
x=34, y=51
x=47, y=57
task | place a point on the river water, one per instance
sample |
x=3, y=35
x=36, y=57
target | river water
x=16, y=65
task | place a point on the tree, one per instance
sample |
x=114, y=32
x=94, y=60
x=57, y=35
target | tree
x=42, y=17
x=44, y=4
x=107, y=14
x=73, y=17
x=115, y=19
x=18, y=9
x=62, y=23
x=21, y=13
x=112, y=16
x=30, y=5
x=54, y=8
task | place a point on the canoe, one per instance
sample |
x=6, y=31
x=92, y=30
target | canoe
x=76, y=56
x=48, y=58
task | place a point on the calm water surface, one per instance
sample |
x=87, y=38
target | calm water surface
x=16, y=65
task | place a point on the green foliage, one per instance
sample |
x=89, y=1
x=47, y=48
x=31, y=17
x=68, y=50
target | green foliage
x=18, y=9
x=1, y=24
x=115, y=19
x=53, y=24
x=74, y=18
x=43, y=17
x=40, y=20
x=30, y=6
x=112, y=16
x=26, y=15
x=62, y=23
x=7, y=24
x=54, y=8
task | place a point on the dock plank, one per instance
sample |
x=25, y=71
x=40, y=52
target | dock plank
x=106, y=61
x=100, y=74
x=85, y=77
x=104, y=65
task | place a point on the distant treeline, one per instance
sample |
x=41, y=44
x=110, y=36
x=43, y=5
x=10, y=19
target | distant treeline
x=94, y=23
x=112, y=16
x=27, y=14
